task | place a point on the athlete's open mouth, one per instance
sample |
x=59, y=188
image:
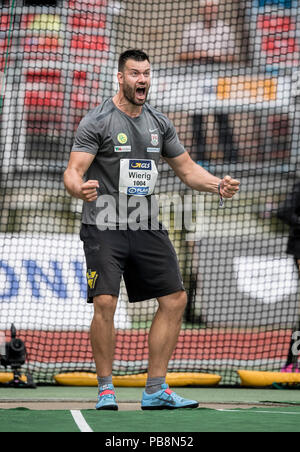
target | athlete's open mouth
x=141, y=91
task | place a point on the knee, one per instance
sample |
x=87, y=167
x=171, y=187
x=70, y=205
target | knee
x=105, y=305
x=175, y=303
x=181, y=301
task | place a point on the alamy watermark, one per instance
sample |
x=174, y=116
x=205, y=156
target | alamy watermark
x=2, y=84
x=174, y=211
x=2, y=344
x=296, y=344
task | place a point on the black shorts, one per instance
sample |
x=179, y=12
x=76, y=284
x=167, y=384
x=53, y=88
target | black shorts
x=146, y=259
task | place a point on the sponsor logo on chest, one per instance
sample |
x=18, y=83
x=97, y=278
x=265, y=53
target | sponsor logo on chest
x=122, y=148
x=140, y=165
x=154, y=139
x=125, y=147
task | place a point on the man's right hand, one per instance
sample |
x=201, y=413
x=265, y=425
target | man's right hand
x=88, y=191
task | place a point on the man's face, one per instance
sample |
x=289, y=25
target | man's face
x=135, y=81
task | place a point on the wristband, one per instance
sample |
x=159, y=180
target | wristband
x=221, y=204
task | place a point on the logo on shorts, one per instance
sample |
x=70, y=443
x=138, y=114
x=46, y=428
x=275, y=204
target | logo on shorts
x=92, y=278
x=122, y=138
x=140, y=165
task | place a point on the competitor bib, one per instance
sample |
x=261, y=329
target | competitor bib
x=137, y=177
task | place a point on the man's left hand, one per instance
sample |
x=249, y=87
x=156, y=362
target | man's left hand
x=229, y=187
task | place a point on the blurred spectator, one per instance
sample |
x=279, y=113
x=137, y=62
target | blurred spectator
x=211, y=40
x=289, y=213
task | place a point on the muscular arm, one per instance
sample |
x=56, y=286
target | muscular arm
x=78, y=165
x=197, y=178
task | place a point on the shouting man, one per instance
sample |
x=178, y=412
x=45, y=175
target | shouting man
x=113, y=164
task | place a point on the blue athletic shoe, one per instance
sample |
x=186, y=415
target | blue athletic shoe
x=166, y=400
x=107, y=398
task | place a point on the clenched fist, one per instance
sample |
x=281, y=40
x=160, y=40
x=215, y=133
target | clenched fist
x=88, y=191
x=229, y=187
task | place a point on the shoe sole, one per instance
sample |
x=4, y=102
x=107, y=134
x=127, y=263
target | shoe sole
x=108, y=408
x=165, y=407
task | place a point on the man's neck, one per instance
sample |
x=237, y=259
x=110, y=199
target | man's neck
x=127, y=107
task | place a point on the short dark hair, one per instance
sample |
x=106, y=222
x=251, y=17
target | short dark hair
x=133, y=54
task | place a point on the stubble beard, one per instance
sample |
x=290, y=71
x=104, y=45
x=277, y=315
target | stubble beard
x=129, y=94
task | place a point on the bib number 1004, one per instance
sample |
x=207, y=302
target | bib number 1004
x=137, y=177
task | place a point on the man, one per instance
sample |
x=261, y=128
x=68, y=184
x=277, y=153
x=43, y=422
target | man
x=117, y=145
x=211, y=40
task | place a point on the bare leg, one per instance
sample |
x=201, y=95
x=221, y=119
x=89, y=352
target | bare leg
x=102, y=333
x=164, y=332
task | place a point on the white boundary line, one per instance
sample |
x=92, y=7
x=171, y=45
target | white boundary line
x=258, y=411
x=81, y=422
